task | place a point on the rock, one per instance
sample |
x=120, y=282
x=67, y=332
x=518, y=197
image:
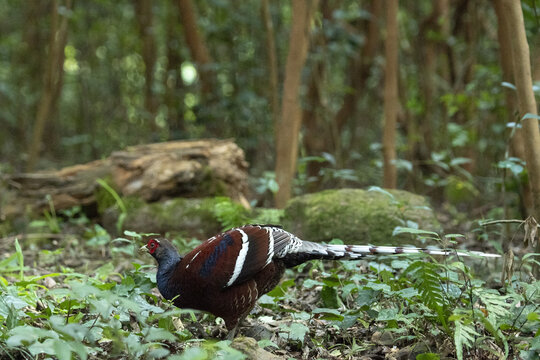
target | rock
x=383, y=338
x=358, y=216
x=185, y=216
x=250, y=348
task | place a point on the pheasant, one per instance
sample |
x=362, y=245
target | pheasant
x=227, y=273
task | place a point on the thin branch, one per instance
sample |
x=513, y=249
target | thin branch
x=511, y=221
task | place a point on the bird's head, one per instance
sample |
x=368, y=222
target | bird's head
x=160, y=249
x=151, y=247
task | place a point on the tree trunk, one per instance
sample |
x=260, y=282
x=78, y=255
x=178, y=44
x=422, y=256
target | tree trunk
x=172, y=81
x=360, y=67
x=313, y=117
x=505, y=55
x=53, y=78
x=143, y=12
x=288, y=127
x=152, y=172
x=273, y=90
x=526, y=100
x=30, y=54
x=432, y=48
x=391, y=100
x=197, y=45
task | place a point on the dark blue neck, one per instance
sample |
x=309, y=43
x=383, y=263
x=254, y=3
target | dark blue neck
x=166, y=266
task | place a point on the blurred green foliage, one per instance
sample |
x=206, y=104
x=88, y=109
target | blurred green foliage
x=101, y=105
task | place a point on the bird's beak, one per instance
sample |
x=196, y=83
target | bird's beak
x=143, y=249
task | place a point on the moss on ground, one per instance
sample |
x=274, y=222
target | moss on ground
x=185, y=216
x=357, y=216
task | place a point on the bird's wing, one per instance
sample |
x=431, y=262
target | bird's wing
x=236, y=255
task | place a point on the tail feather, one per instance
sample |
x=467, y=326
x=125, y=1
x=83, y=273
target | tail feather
x=293, y=251
x=311, y=251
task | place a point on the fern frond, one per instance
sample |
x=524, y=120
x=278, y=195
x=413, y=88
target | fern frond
x=497, y=305
x=464, y=335
x=428, y=283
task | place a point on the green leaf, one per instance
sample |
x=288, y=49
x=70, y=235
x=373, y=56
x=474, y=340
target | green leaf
x=26, y=334
x=388, y=314
x=428, y=356
x=266, y=343
x=407, y=230
x=330, y=297
x=459, y=161
x=382, y=191
x=192, y=353
x=310, y=283
x=407, y=293
x=133, y=234
x=530, y=116
x=464, y=336
x=533, y=316
x=295, y=332
x=508, y=85
x=328, y=314
x=377, y=286
x=45, y=347
x=366, y=296
x=61, y=351
x=114, y=194
x=20, y=259
x=453, y=236
x=154, y=334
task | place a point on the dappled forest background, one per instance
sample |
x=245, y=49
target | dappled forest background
x=79, y=80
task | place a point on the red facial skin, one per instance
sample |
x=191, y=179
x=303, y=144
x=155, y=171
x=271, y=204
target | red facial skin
x=152, y=245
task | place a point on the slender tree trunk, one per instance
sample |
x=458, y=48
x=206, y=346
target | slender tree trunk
x=31, y=54
x=273, y=90
x=360, y=67
x=391, y=99
x=172, y=81
x=53, y=78
x=288, y=128
x=420, y=127
x=432, y=47
x=197, y=45
x=313, y=117
x=143, y=11
x=526, y=100
x=505, y=55
x=314, y=124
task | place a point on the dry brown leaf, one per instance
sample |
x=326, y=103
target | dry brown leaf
x=531, y=231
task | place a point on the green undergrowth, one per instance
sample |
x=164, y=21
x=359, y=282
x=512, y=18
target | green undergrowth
x=53, y=304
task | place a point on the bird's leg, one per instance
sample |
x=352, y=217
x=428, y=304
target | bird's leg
x=232, y=332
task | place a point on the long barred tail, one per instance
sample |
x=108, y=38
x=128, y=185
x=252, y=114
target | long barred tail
x=293, y=251
x=311, y=251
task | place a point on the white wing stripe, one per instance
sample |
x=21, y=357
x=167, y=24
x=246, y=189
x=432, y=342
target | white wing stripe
x=240, y=259
x=270, y=246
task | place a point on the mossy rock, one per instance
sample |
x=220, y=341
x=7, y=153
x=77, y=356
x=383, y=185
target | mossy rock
x=185, y=216
x=358, y=216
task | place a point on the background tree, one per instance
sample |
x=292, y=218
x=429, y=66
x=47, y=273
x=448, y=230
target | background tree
x=52, y=80
x=506, y=60
x=288, y=128
x=143, y=12
x=197, y=45
x=273, y=76
x=526, y=101
x=391, y=99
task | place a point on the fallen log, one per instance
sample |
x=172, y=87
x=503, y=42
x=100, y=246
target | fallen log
x=152, y=172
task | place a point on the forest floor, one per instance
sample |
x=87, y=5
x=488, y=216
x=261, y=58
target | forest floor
x=397, y=307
